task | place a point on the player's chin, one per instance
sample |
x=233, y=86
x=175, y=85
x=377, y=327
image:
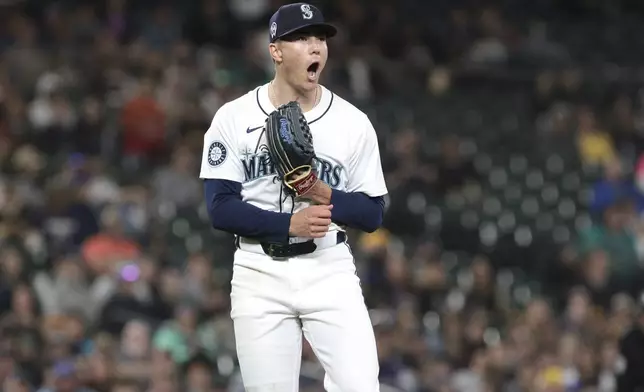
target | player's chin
x=310, y=84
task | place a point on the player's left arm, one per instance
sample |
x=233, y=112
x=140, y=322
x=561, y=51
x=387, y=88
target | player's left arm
x=362, y=205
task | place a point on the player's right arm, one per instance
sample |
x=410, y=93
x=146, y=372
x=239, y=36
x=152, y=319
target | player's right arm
x=222, y=172
x=361, y=206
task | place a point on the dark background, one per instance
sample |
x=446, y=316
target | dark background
x=511, y=134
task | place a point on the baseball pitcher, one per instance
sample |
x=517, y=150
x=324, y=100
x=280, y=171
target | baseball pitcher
x=287, y=168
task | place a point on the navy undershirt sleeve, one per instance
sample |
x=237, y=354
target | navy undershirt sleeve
x=357, y=210
x=229, y=213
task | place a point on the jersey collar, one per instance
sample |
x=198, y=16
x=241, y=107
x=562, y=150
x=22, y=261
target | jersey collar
x=311, y=116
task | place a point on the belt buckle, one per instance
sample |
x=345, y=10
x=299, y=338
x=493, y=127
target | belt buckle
x=271, y=250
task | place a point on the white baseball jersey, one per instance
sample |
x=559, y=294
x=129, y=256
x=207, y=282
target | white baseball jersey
x=344, y=139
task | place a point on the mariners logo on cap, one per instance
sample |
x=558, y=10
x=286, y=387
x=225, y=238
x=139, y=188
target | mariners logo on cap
x=307, y=13
x=273, y=29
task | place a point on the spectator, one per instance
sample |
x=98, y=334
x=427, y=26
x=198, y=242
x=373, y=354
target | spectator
x=198, y=374
x=90, y=129
x=614, y=236
x=212, y=25
x=67, y=220
x=14, y=266
x=454, y=170
x=613, y=187
x=596, y=277
x=135, y=352
x=161, y=29
x=595, y=147
x=25, y=309
x=173, y=184
x=483, y=291
x=143, y=123
x=109, y=246
x=625, y=135
x=630, y=378
x=131, y=300
x=54, y=118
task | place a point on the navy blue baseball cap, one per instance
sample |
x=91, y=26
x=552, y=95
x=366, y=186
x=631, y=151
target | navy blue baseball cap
x=293, y=17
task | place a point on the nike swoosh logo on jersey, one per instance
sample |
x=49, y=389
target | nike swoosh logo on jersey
x=249, y=129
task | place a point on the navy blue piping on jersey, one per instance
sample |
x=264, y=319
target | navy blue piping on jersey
x=229, y=213
x=357, y=210
x=310, y=122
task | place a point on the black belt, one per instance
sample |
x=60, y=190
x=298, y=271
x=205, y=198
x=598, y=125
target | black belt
x=296, y=249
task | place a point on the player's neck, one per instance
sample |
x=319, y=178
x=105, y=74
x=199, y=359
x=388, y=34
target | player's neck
x=280, y=92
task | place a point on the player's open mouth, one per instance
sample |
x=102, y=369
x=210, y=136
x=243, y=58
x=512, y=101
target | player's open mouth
x=312, y=70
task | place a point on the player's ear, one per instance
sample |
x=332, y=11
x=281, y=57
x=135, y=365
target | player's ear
x=276, y=52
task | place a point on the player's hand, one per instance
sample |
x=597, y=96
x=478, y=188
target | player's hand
x=311, y=222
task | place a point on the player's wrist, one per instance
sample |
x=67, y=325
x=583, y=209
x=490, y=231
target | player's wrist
x=320, y=193
x=303, y=185
x=290, y=227
x=293, y=226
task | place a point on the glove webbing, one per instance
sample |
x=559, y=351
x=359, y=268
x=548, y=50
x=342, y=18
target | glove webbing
x=304, y=181
x=282, y=157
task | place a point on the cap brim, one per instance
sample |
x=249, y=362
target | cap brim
x=327, y=29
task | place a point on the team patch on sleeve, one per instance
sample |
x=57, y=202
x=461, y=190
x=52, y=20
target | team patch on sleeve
x=217, y=153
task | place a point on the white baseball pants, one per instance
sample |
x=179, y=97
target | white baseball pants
x=319, y=295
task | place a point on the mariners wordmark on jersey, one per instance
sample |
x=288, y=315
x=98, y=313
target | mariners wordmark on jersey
x=260, y=164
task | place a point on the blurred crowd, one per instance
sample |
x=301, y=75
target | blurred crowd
x=112, y=280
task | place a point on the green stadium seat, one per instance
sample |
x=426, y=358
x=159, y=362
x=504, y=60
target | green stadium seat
x=180, y=228
x=550, y=194
x=571, y=182
x=498, y=178
x=492, y=207
x=470, y=219
x=544, y=222
x=507, y=222
x=523, y=236
x=194, y=243
x=561, y=234
x=433, y=218
x=530, y=206
x=416, y=203
x=513, y=194
x=555, y=165
x=473, y=193
x=583, y=221
x=488, y=233
x=468, y=147
x=483, y=163
x=455, y=202
x=585, y=197
x=518, y=165
x=567, y=209
x=534, y=179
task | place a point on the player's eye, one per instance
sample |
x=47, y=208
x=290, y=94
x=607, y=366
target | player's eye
x=302, y=38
